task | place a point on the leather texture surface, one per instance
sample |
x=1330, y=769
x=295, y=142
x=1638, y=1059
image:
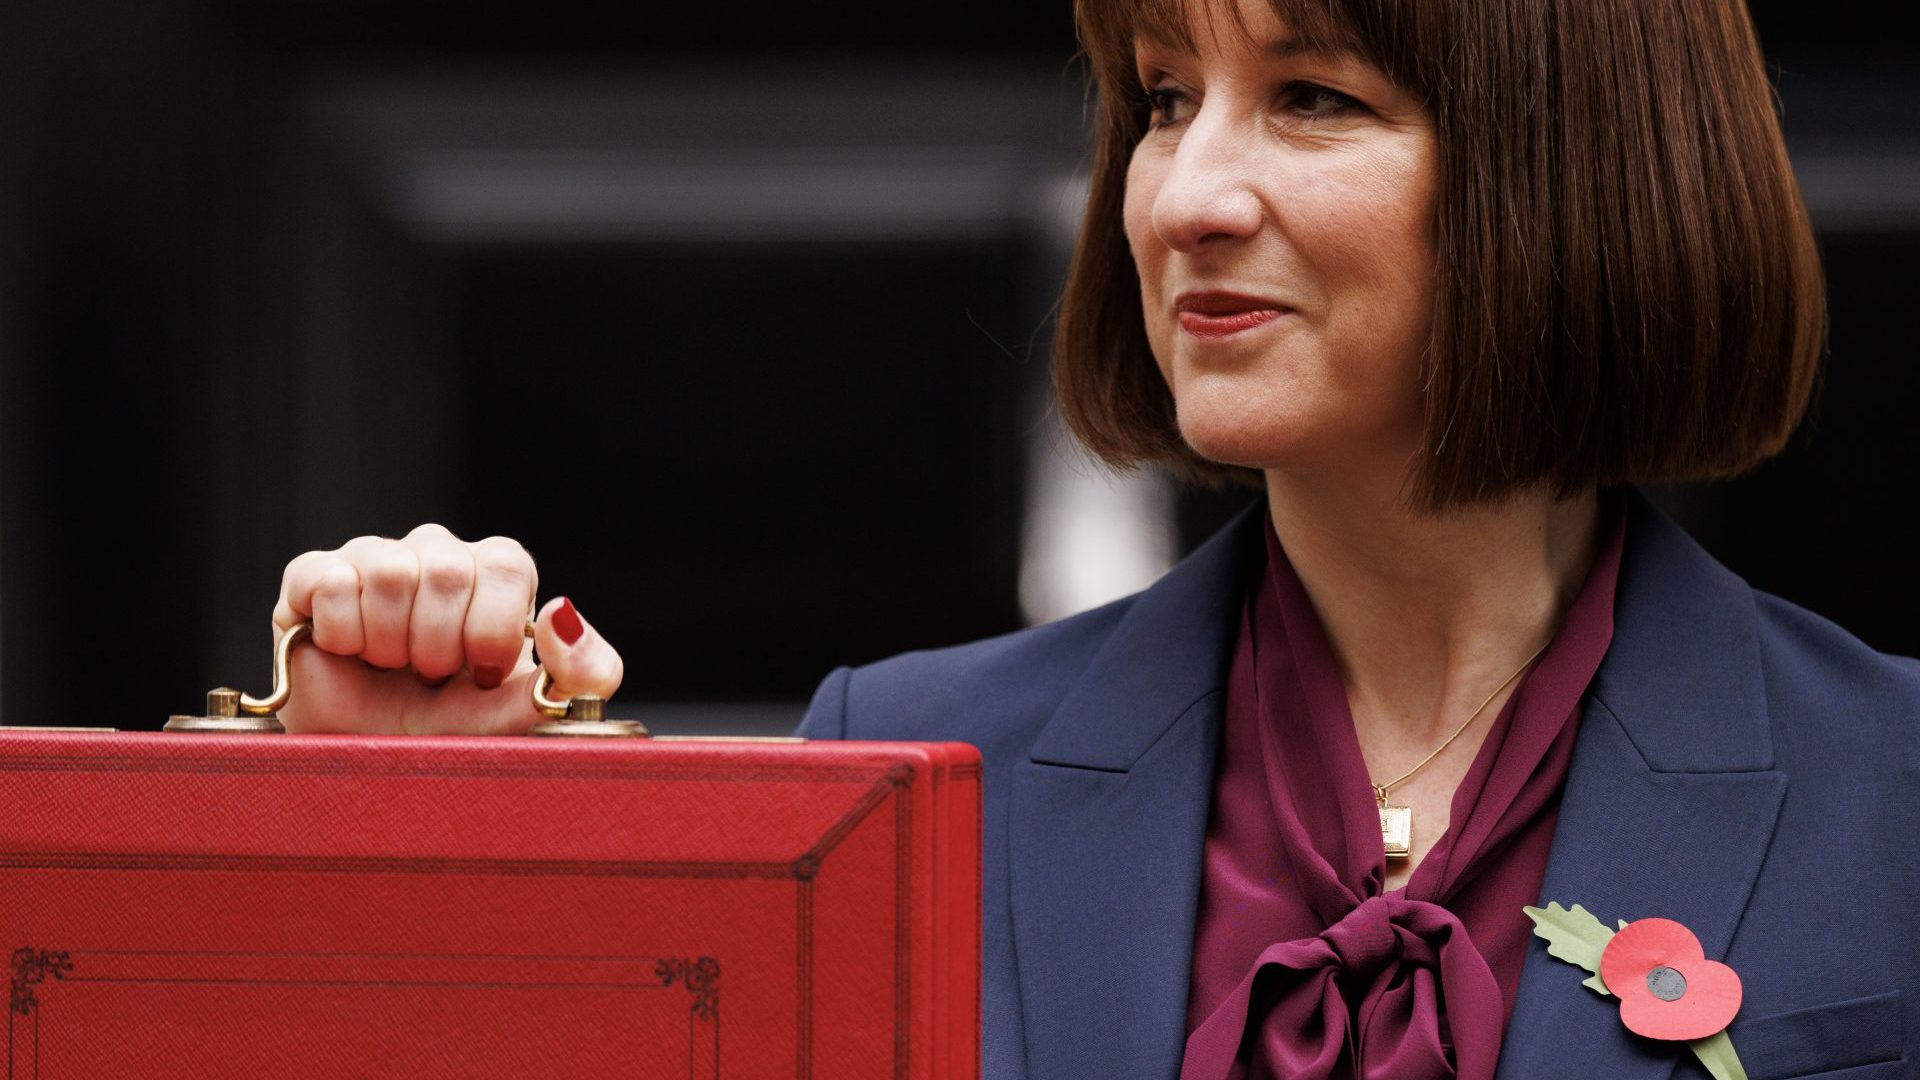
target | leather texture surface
x=295, y=907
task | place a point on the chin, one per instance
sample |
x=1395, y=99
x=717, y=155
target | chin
x=1240, y=437
x=1251, y=417
x=1276, y=423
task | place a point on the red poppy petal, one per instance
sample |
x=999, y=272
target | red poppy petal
x=1643, y=946
x=1698, y=996
x=1714, y=993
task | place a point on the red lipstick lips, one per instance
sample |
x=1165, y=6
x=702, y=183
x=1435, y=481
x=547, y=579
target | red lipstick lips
x=1220, y=314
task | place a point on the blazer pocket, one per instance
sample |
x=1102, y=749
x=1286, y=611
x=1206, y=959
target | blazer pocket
x=1823, y=1039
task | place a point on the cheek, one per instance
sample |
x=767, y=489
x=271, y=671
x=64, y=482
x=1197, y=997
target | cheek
x=1367, y=235
x=1369, y=229
x=1401, y=212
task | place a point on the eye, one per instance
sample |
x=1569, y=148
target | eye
x=1315, y=102
x=1163, y=106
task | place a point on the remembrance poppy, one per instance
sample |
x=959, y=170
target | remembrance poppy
x=1668, y=989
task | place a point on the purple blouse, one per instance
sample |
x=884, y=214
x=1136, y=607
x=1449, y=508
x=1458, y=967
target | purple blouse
x=1303, y=966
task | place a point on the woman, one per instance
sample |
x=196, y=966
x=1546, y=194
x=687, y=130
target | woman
x=1441, y=278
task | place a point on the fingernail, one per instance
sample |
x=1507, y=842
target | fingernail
x=487, y=676
x=432, y=682
x=566, y=622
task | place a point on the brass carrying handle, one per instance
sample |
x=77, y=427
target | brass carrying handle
x=229, y=710
x=283, y=682
x=248, y=705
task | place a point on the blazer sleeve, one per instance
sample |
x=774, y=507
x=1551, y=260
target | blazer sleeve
x=827, y=715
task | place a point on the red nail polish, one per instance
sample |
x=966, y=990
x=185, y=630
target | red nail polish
x=566, y=622
x=487, y=677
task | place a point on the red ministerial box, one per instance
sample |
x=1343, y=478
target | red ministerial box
x=311, y=906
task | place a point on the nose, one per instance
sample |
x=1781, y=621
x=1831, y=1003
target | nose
x=1206, y=194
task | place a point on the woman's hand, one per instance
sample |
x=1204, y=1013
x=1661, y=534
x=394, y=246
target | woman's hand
x=427, y=635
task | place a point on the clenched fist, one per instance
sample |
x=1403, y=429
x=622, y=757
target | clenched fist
x=427, y=635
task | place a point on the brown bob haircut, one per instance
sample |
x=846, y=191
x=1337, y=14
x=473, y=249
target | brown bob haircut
x=1627, y=289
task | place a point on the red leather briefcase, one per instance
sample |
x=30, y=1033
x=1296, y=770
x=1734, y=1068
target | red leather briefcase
x=220, y=905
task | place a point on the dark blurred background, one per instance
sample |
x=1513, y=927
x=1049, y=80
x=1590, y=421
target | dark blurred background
x=735, y=313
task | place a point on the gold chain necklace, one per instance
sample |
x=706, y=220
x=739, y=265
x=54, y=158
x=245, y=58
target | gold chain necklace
x=1396, y=822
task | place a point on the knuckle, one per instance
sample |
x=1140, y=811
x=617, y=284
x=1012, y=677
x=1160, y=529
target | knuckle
x=305, y=570
x=390, y=573
x=359, y=545
x=504, y=560
x=446, y=577
x=430, y=531
x=506, y=544
x=303, y=563
x=335, y=579
x=314, y=579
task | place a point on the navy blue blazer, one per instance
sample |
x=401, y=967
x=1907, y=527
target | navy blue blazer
x=1743, y=766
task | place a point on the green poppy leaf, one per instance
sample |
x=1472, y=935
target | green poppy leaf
x=1716, y=1053
x=1574, y=935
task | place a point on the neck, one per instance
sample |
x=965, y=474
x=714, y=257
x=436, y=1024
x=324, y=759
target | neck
x=1428, y=614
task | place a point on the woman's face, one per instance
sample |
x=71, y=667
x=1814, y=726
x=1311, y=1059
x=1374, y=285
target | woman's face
x=1280, y=211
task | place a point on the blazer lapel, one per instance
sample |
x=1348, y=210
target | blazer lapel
x=1668, y=810
x=1670, y=802
x=1112, y=809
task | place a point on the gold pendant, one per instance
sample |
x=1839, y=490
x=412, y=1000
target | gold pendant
x=1396, y=832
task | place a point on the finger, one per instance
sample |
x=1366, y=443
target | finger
x=503, y=590
x=436, y=623
x=582, y=662
x=324, y=587
x=337, y=694
x=389, y=577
